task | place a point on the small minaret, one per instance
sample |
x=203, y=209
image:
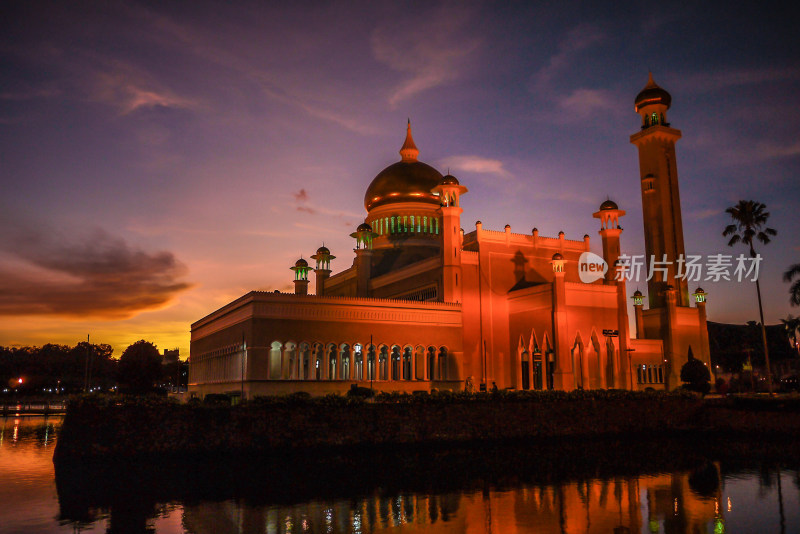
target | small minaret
x=450, y=191
x=610, y=230
x=363, y=236
x=700, y=300
x=323, y=268
x=300, y=277
x=661, y=204
x=638, y=305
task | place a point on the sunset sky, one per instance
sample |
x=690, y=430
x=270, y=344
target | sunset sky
x=158, y=161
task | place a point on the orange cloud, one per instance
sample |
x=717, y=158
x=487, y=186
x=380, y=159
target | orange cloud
x=46, y=273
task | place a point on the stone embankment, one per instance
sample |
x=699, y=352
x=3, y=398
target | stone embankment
x=139, y=426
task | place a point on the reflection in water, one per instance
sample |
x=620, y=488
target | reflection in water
x=563, y=487
x=522, y=488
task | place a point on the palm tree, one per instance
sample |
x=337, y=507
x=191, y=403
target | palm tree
x=791, y=324
x=749, y=217
x=794, y=290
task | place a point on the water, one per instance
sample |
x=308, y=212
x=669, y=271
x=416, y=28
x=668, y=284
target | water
x=609, y=487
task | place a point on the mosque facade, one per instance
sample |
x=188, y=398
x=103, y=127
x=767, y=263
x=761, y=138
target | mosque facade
x=426, y=305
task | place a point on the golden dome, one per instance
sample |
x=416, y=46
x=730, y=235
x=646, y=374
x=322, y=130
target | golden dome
x=408, y=180
x=652, y=94
x=609, y=205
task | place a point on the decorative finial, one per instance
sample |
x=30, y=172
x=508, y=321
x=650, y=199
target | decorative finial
x=409, y=151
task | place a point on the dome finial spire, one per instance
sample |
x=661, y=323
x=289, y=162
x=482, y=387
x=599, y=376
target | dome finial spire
x=409, y=151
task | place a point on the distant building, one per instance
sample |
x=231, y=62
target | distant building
x=426, y=305
x=171, y=356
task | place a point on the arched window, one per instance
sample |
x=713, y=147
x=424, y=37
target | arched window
x=441, y=370
x=393, y=222
x=418, y=367
x=358, y=362
x=306, y=366
x=275, y=360
x=578, y=364
x=347, y=363
x=319, y=361
x=425, y=224
x=395, y=363
x=289, y=372
x=431, y=367
x=525, y=369
x=383, y=363
x=371, y=363
x=333, y=369
x=407, y=359
x=412, y=223
x=610, y=356
x=654, y=118
x=436, y=224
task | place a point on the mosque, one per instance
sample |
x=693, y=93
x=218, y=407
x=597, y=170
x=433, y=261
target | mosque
x=426, y=305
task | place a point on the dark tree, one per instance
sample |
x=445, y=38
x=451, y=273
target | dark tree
x=139, y=367
x=696, y=375
x=794, y=290
x=749, y=225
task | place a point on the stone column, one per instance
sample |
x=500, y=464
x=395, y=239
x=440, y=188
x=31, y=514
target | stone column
x=563, y=377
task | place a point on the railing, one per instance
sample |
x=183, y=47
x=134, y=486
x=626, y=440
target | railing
x=33, y=408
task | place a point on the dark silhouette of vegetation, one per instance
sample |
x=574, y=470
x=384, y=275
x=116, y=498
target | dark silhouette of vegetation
x=696, y=375
x=54, y=369
x=731, y=343
x=139, y=368
x=794, y=290
x=57, y=369
x=749, y=217
x=792, y=327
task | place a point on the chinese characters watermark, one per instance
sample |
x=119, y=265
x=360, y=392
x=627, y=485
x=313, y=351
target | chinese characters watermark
x=691, y=268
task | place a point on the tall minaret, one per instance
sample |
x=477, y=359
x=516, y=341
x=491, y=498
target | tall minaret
x=661, y=205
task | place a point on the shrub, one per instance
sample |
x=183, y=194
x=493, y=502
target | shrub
x=217, y=399
x=721, y=386
x=696, y=376
x=357, y=391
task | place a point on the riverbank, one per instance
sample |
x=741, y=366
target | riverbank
x=113, y=426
